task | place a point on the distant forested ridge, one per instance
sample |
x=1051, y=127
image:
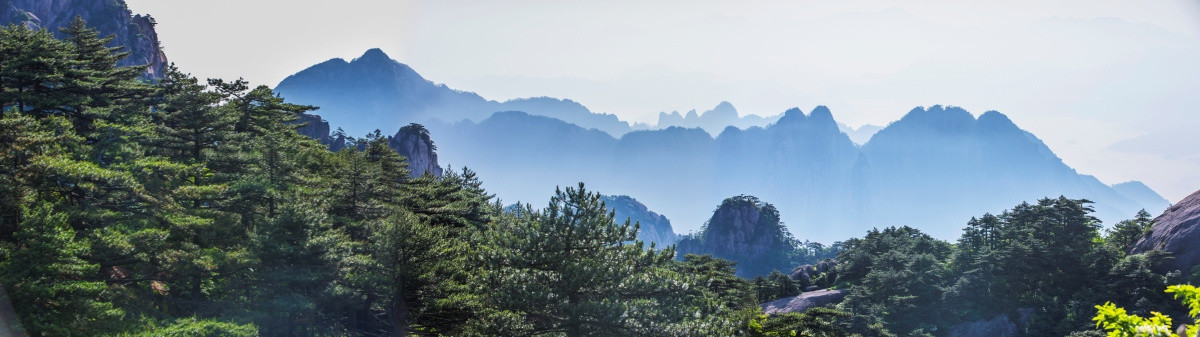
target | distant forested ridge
x=931, y=168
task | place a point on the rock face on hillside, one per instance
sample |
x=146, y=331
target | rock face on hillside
x=111, y=17
x=413, y=142
x=654, y=228
x=747, y=231
x=1176, y=231
x=314, y=127
x=806, y=273
x=804, y=301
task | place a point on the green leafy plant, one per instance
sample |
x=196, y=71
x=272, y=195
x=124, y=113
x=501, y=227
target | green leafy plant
x=1119, y=323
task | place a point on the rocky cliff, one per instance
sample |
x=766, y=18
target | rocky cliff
x=654, y=227
x=747, y=231
x=111, y=17
x=413, y=142
x=1176, y=231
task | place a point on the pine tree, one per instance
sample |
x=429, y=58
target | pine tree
x=570, y=270
x=33, y=72
x=1125, y=234
x=54, y=290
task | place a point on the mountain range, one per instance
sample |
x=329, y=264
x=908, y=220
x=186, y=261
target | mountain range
x=375, y=92
x=714, y=121
x=933, y=169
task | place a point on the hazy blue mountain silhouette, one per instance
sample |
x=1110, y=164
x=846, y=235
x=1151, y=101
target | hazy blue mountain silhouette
x=933, y=169
x=375, y=92
x=1140, y=193
x=714, y=121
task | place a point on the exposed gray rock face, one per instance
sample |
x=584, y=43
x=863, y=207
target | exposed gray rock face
x=317, y=128
x=805, y=273
x=111, y=17
x=654, y=228
x=804, y=301
x=314, y=127
x=747, y=231
x=1176, y=231
x=413, y=142
x=999, y=326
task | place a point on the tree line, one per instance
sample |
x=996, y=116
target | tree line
x=182, y=207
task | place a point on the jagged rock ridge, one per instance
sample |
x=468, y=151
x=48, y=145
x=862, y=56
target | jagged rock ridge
x=110, y=17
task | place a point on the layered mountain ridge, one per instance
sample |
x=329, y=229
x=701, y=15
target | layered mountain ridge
x=375, y=92
x=713, y=121
x=933, y=169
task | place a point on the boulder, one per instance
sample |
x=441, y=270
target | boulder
x=1176, y=231
x=804, y=301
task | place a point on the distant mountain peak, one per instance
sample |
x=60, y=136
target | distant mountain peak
x=793, y=115
x=724, y=106
x=821, y=114
x=937, y=117
x=375, y=91
x=994, y=120
x=374, y=55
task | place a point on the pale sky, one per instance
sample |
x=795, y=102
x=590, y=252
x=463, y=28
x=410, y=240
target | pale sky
x=1113, y=87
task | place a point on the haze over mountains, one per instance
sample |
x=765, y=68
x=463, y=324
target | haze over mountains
x=933, y=169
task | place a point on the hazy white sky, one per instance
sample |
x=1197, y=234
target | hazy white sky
x=1112, y=86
